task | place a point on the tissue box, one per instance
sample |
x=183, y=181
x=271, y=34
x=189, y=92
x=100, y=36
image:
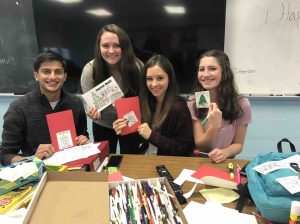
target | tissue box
x=6, y=186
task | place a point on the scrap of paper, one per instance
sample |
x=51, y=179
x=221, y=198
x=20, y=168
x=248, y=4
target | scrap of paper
x=202, y=99
x=190, y=192
x=220, y=195
x=291, y=183
x=186, y=175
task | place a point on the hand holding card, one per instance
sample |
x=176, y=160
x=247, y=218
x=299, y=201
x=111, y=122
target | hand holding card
x=129, y=108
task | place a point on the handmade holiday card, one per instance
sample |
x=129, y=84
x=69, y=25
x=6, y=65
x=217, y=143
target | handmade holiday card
x=202, y=99
x=103, y=94
x=129, y=108
x=62, y=129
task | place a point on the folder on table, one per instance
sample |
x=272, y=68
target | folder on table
x=216, y=177
x=129, y=108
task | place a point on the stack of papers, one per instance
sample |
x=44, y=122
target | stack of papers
x=22, y=170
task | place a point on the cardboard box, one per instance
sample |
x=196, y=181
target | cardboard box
x=77, y=197
x=93, y=162
x=162, y=180
x=70, y=197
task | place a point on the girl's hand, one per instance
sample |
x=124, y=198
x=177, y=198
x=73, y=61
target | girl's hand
x=218, y=155
x=215, y=118
x=93, y=113
x=144, y=131
x=119, y=124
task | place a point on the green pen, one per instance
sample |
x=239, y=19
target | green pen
x=205, y=119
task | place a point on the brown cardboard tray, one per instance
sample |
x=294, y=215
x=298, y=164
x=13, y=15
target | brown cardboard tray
x=70, y=198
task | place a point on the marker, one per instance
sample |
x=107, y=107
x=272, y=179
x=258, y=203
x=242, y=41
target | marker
x=205, y=119
x=231, y=171
x=238, y=173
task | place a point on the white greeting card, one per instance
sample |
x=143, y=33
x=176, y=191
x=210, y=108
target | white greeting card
x=103, y=94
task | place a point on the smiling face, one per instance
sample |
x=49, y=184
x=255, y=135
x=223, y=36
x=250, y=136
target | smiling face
x=157, y=82
x=209, y=73
x=51, y=77
x=110, y=48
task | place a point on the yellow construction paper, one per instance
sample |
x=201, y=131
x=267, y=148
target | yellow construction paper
x=221, y=195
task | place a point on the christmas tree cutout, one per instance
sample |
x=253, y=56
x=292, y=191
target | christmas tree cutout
x=202, y=101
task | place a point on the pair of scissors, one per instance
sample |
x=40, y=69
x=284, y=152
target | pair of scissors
x=296, y=167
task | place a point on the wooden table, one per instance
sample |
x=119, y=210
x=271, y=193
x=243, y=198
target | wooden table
x=141, y=166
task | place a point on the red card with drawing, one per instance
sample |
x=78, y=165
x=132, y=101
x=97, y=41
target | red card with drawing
x=129, y=108
x=62, y=129
x=216, y=177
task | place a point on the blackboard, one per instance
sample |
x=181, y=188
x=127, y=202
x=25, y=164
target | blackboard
x=18, y=46
x=262, y=39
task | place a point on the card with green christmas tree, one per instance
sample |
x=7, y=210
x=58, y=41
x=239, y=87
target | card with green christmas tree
x=202, y=99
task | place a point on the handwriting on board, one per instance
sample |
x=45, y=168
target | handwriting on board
x=18, y=46
x=262, y=42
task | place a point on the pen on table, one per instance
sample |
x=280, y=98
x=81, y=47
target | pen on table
x=205, y=119
x=262, y=218
x=74, y=168
x=238, y=173
x=231, y=170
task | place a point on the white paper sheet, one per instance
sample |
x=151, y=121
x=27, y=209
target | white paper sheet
x=72, y=154
x=213, y=213
x=185, y=175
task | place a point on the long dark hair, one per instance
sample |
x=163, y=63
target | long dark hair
x=227, y=95
x=130, y=66
x=148, y=101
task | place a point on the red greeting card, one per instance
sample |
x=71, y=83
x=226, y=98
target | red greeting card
x=129, y=108
x=62, y=129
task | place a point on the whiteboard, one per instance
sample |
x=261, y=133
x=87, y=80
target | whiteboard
x=262, y=40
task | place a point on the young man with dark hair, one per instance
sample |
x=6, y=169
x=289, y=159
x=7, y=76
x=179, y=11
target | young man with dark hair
x=25, y=126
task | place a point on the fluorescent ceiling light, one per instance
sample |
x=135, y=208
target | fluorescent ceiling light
x=175, y=9
x=69, y=1
x=99, y=12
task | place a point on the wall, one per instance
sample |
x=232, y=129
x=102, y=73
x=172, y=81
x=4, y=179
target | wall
x=273, y=119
